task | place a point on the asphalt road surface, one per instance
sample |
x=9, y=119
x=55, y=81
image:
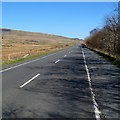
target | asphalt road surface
x=72, y=83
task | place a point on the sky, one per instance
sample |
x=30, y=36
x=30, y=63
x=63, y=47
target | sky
x=69, y=19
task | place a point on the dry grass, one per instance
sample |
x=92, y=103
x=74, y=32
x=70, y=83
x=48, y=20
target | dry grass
x=18, y=44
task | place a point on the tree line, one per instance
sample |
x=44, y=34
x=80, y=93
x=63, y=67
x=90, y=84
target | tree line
x=107, y=39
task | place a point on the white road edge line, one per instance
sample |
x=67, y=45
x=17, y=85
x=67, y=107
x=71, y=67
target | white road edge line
x=27, y=62
x=29, y=81
x=96, y=110
x=57, y=61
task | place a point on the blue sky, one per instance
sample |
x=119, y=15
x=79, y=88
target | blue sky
x=70, y=19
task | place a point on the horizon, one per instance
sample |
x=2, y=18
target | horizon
x=34, y=32
x=72, y=20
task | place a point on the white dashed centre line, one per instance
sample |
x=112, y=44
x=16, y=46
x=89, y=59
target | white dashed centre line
x=29, y=80
x=96, y=110
x=65, y=55
x=29, y=62
x=57, y=61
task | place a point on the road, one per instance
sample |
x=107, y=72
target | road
x=72, y=83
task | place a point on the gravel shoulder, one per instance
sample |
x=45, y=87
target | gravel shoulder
x=105, y=82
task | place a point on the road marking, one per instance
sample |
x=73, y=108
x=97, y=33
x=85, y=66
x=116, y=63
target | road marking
x=29, y=80
x=57, y=61
x=28, y=62
x=96, y=110
x=65, y=55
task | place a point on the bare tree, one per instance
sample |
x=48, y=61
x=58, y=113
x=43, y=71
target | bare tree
x=107, y=39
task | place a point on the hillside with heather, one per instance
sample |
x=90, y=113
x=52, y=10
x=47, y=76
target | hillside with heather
x=19, y=44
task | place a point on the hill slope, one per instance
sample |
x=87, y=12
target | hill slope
x=17, y=43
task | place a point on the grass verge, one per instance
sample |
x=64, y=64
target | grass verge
x=13, y=61
x=109, y=58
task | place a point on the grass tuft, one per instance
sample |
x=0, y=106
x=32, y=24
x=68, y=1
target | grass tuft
x=13, y=61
